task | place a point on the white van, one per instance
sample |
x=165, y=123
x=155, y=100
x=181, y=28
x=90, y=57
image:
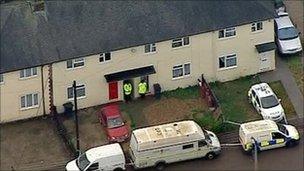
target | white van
x=168, y=143
x=287, y=36
x=268, y=135
x=106, y=158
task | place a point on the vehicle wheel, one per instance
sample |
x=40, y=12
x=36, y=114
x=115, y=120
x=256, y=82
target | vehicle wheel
x=160, y=166
x=290, y=144
x=210, y=156
x=118, y=169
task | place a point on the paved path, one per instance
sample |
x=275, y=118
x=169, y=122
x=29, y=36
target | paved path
x=283, y=74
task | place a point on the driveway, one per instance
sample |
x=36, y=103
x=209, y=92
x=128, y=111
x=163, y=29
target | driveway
x=30, y=144
x=283, y=74
x=295, y=10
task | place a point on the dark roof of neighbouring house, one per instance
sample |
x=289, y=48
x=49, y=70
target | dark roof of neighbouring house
x=79, y=28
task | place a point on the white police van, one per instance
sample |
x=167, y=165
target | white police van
x=267, y=134
x=266, y=102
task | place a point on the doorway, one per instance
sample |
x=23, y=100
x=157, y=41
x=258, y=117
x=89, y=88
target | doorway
x=113, y=90
x=264, y=61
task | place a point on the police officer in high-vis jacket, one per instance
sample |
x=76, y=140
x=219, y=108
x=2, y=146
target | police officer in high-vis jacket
x=127, y=87
x=142, y=88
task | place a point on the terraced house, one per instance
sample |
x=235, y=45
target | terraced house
x=102, y=43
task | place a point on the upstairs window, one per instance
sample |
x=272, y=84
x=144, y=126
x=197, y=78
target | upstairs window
x=150, y=48
x=228, y=32
x=29, y=101
x=105, y=57
x=256, y=26
x=29, y=72
x=75, y=63
x=1, y=79
x=180, y=42
x=80, y=91
x=227, y=61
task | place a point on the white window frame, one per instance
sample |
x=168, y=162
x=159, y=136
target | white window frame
x=75, y=61
x=254, y=27
x=151, y=47
x=26, y=101
x=227, y=31
x=225, y=61
x=1, y=78
x=102, y=55
x=33, y=73
x=181, y=66
x=78, y=87
x=182, y=41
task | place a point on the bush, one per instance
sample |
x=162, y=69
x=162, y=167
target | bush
x=207, y=121
x=190, y=92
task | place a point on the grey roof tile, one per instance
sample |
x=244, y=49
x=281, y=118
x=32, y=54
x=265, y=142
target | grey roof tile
x=70, y=29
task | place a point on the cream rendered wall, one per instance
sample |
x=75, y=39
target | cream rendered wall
x=11, y=91
x=243, y=44
x=202, y=53
x=92, y=74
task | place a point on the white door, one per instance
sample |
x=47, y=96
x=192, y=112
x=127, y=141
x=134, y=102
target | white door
x=264, y=61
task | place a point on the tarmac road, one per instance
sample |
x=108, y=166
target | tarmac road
x=233, y=159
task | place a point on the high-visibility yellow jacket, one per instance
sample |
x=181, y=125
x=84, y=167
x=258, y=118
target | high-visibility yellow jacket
x=127, y=88
x=142, y=88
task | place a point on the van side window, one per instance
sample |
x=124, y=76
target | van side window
x=202, y=143
x=93, y=166
x=258, y=101
x=253, y=93
x=277, y=135
x=187, y=146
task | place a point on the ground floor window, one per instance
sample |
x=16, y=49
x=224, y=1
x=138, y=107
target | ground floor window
x=80, y=91
x=29, y=100
x=181, y=70
x=227, y=61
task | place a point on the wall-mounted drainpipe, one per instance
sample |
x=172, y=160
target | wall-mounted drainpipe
x=42, y=88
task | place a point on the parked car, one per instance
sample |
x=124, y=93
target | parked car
x=266, y=102
x=279, y=6
x=286, y=35
x=107, y=158
x=111, y=119
x=267, y=134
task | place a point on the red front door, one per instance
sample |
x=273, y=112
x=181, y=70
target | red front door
x=113, y=90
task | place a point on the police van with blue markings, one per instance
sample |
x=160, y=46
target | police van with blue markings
x=268, y=135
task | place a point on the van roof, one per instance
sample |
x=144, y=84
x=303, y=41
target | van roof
x=104, y=151
x=167, y=134
x=283, y=21
x=262, y=89
x=257, y=126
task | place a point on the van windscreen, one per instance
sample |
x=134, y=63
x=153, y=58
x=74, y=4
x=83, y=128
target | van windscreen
x=82, y=161
x=287, y=33
x=207, y=137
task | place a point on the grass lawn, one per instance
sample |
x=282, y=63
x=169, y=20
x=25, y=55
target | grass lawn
x=233, y=99
x=296, y=67
x=278, y=88
x=175, y=105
